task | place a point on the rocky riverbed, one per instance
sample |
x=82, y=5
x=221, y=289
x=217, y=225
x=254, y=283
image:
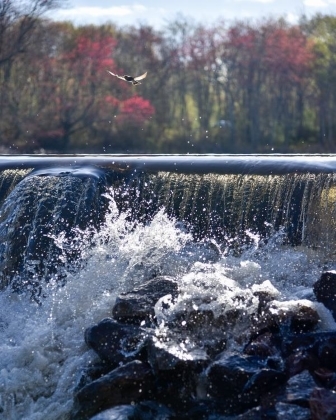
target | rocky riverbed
x=165, y=355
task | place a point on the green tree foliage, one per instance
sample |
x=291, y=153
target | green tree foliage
x=238, y=87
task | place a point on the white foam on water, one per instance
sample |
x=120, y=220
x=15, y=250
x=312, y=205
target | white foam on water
x=42, y=348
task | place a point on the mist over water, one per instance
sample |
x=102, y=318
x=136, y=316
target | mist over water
x=42, y=348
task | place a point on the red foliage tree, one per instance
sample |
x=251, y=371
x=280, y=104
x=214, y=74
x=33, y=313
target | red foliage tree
x=135, y=111
x=92, y=54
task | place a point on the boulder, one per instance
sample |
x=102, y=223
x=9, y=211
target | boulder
x=138, y=305
x=125, y=385
x=262, y=345
x=227, y=377
x=177, y=367
x=285, y=411
x=121, y=412
x=317, y=348
x=299, y=388
x=325, y=290
x=276, y=317
x=322, y=404
x=115, y=342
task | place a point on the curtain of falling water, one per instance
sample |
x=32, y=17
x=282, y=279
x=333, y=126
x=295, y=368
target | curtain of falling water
x=227, y=205
x=35, y=212
x=33, y=209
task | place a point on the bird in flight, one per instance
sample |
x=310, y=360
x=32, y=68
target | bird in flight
x=133, y=80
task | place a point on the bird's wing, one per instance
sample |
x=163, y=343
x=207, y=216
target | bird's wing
x=140, y=77
x=116, y=75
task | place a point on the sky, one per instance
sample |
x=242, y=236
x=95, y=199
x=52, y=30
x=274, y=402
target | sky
x=158, y=13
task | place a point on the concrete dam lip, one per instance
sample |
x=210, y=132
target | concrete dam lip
x=254, y=164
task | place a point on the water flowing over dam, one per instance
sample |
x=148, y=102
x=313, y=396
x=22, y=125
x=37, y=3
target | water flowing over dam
x=239, y=196
x=77, y=230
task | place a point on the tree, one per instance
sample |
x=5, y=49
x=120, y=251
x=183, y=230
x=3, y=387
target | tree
x=322, y=31
x=18, y=20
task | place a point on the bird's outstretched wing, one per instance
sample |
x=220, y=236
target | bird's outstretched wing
x=116, y=75
x=140, y=77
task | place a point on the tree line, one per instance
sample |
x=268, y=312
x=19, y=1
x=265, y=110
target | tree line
x=232, y=87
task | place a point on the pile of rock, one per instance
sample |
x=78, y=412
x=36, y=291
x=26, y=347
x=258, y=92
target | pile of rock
x=283, y=366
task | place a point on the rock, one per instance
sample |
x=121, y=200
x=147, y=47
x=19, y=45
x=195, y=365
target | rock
x=115, y=342
x=326, y=352
x=299, y=361
x=279, y=317
x=209, y=332
x=266, y=292
x=264, y=381
x=255, y=413
x=122, y=412
x=125, y=385
x=227, y=377
x=325, y=290
x=263, y=345
x=305, y=319
x=285, y=411
x=138, y=305
x=316, y=349
x=177, y=367
x=93, y=372
x=322, y=404
x=299, y=388
x=167, y=355
x=151, y=410
x=325, y=377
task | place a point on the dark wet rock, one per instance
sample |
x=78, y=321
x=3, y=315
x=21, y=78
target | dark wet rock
x=115, y=342
x=305, y=319
x=263, y=389
x=313, y=341
x=125, y=385
x=151, y=410
x=184, y=370
x=196, y=319
x=324, y=377
x=285, y=411
x=276, y=363
x=93, y=372
x=277, y=319
x=300, y=361
x=227, y=320
x=264, y=381
x=256, y=413
x=138, y=305
x=325, y=290
x=322, y=404
x=299, y=388
x=326, y=352
x=177, y=367
x=311, y=350
x=227, y=378
x=207, y=331
x=121, y=412
x=262, y=345
x=266, y=292
x=198, y=410
x=167, y=355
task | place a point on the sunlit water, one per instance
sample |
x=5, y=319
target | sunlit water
x=42, y=349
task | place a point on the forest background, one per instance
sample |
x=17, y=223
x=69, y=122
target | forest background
x=264, y=86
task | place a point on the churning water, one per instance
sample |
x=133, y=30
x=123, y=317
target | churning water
x=72, y=241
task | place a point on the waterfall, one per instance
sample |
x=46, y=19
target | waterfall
x=39, y=205
x=77, y=231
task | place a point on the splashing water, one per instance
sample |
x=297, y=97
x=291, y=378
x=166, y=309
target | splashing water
x=42, y=348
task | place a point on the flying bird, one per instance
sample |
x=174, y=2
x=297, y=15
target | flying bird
x=133, y=80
